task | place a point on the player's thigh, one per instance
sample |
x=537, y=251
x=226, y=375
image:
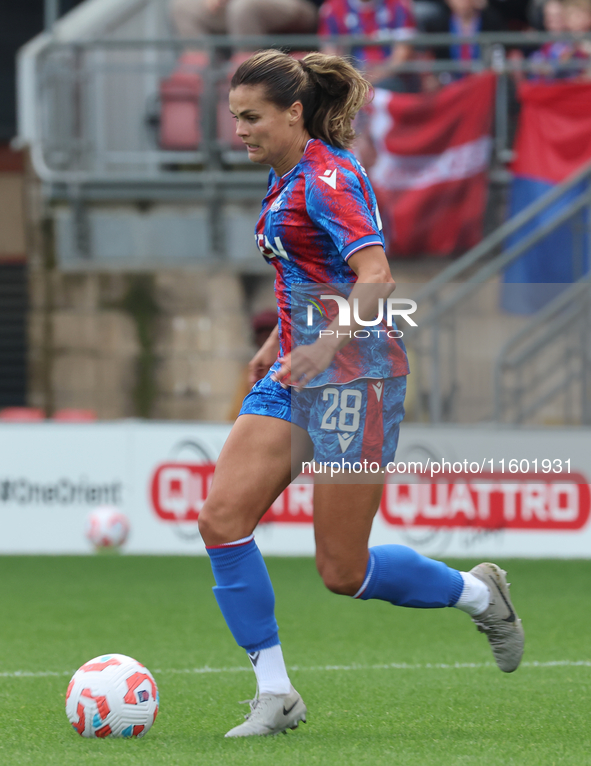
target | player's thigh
x=254, y=467
x=343, y=517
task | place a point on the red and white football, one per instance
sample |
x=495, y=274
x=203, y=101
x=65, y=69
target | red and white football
x=107, y=527
x=112, y=696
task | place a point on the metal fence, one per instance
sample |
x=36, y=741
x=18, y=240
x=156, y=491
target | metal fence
x=97, y=103
x=545, y=368
x=94, y=107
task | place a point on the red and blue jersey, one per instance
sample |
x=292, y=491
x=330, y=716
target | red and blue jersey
x=373, y=18
x=313, y=219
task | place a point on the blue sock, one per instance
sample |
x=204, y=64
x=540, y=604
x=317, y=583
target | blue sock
x=244, y=594
x=403, y=577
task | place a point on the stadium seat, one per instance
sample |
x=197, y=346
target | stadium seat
x=180, y=118
x=22, y=414
x=71, y=415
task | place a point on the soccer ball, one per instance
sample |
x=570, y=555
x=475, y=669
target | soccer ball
x=112, y=696
x=107, y=527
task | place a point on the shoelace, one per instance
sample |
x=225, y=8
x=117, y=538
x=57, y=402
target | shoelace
x=253, y=704
x=494, y=631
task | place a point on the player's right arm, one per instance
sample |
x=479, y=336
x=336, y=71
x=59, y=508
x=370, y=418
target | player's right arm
x=264, y=358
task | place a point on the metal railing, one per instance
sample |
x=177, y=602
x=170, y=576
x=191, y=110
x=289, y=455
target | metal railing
x=96, y=102
x=91, y=112
x=548, y=360
x=450, y=316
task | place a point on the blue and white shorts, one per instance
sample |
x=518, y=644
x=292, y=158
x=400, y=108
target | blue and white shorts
x=347, y=423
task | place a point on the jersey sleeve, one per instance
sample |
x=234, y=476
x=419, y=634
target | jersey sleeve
x=336, y=203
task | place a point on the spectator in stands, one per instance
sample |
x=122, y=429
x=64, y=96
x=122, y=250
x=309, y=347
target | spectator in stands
x=577, y=19
x=470, y=17
x=573, y=16
x=373, y=18
x=553, y=20
x=553, y=16
x=464, y=18
x=196, y=18
x=577, y=15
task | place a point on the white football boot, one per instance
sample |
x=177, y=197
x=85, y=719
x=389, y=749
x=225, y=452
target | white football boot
x=270, y=714
x=499, y=621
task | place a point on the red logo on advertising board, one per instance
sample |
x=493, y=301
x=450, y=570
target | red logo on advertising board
x=295, y=505
x=179, y=490
x=523, y=502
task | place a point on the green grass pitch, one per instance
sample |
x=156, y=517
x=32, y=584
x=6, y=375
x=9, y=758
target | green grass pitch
x=382, y=685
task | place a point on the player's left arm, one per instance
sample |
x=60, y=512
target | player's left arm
x=374, y=282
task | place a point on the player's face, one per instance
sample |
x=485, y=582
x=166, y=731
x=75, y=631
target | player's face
x=266, y=130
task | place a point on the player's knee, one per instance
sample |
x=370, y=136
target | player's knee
x=219, y=525
x=206, y=525
x=344, y=580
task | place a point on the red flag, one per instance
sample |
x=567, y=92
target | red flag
x=430, y=170
x=554, y=135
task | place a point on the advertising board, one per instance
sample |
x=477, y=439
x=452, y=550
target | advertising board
x=471, y=491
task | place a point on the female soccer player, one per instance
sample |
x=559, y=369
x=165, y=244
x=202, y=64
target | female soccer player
x=333, y=399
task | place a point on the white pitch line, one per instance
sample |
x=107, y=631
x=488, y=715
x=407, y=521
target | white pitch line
x=389, y=666
x=36, y=674
x=320, y=668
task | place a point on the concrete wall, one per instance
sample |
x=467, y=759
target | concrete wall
x=166, y=343
x=93, y=343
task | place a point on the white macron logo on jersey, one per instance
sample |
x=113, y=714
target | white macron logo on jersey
x=345, y=440
x=378, y=387
x=330, y=178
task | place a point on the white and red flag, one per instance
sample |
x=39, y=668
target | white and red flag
x=430, y=159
